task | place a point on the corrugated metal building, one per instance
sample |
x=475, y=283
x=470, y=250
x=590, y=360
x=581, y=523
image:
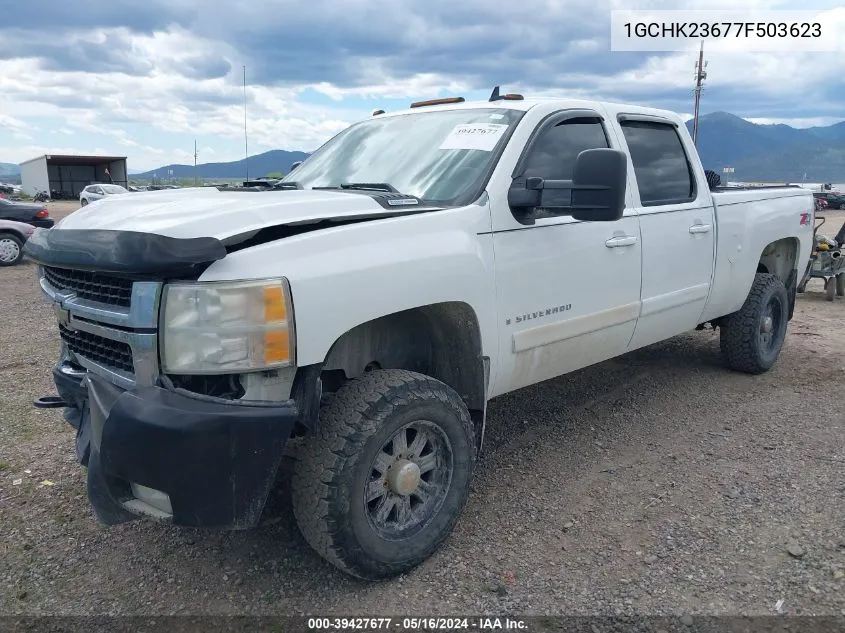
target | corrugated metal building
x=70, y=174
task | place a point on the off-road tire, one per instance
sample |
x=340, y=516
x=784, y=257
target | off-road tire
x=17, y=241
x=740, y=341
x=840, y=285
x=333, y=466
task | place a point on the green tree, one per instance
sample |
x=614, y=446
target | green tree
x=275, y=174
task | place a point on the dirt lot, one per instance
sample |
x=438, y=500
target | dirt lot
x=657, y=483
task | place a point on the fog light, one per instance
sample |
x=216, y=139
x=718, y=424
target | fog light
x=154, y=498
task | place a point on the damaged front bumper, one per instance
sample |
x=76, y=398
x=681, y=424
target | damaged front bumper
x=174, y=455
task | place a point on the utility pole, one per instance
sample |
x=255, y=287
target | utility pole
x=196, y=174
x=246, y=144
x=700, y=75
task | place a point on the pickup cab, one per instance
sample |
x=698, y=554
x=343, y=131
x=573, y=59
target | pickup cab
x=364, y=311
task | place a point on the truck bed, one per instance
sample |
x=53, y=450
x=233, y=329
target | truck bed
x=747, y=220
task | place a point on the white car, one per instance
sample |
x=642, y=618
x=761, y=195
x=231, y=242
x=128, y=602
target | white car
x=98, y=192
x=417, y=265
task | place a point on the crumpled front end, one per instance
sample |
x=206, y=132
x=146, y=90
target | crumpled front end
x=201, y=453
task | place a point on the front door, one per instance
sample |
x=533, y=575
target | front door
x=568, y=292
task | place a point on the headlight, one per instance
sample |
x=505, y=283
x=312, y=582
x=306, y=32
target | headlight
x=227, y=327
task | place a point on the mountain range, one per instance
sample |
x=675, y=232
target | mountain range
x=276, y=160
x=9, y=171
x=776, y=153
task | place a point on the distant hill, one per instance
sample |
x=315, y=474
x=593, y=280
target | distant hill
x=771, y=152
x=9, y=169
x=756, y=152
x=276, y=160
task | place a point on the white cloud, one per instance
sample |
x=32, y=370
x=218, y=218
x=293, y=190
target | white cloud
x=152, y=93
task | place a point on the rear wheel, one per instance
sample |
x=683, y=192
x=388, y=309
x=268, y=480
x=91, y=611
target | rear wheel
x=752, y=338
x=11, y=249
x=385, y=479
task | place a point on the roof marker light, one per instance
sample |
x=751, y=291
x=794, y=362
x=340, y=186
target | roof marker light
x=431, y=102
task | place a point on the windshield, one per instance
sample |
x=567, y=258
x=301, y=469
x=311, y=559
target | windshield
x=439, y=156
x=113, y=189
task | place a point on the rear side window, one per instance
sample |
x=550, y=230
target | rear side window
x=661, y=166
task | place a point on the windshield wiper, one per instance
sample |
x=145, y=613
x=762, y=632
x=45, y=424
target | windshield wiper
x=400, y=199
x=372, y=186
x=291, y=184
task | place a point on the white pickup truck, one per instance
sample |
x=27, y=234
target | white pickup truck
x=417, y=265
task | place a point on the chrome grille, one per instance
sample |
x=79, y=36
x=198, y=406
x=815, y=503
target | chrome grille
x=109, y=324
x=92, y=286
x=107, y=352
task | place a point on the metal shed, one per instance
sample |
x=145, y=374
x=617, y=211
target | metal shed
x=70, y=174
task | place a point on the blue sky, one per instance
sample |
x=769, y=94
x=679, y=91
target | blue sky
x=146, y=79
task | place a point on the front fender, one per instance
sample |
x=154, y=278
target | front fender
x=344, y=276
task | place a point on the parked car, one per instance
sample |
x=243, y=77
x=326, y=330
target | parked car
x=13, y=236
x=833, y=200
x=378, y=299
x=35, y=214
x=98, y=192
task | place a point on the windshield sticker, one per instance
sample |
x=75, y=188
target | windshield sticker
x=496, y=117
x=481, y=136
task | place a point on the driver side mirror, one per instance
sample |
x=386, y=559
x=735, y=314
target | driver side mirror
x=596, y=192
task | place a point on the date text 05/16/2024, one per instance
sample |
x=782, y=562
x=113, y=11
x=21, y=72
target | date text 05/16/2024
x=415, y=624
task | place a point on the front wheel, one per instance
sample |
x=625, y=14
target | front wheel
x=751, y=339
x=384, y=480
x=84, y=202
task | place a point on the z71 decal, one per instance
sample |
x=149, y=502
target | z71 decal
x=540, y=313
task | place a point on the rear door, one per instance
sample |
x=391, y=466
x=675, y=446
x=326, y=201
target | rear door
x=568, y=291
x=677, y=223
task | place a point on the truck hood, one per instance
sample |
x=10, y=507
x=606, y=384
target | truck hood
x=209, y=212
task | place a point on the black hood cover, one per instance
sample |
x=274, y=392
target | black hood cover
x=127, y=253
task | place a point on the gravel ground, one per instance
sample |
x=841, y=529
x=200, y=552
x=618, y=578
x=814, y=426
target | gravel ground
x=657, y=483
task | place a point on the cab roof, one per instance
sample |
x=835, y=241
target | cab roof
x=526, y=104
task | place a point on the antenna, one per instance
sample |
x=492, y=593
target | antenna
x=246, y=143
x=700, y=75
x=494, y=96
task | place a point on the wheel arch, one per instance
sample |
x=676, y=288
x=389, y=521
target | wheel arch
x=779, y=258
x=441, y=340
x=13, y=233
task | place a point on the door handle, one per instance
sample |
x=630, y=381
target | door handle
x=699, y=228
x=616, y=242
